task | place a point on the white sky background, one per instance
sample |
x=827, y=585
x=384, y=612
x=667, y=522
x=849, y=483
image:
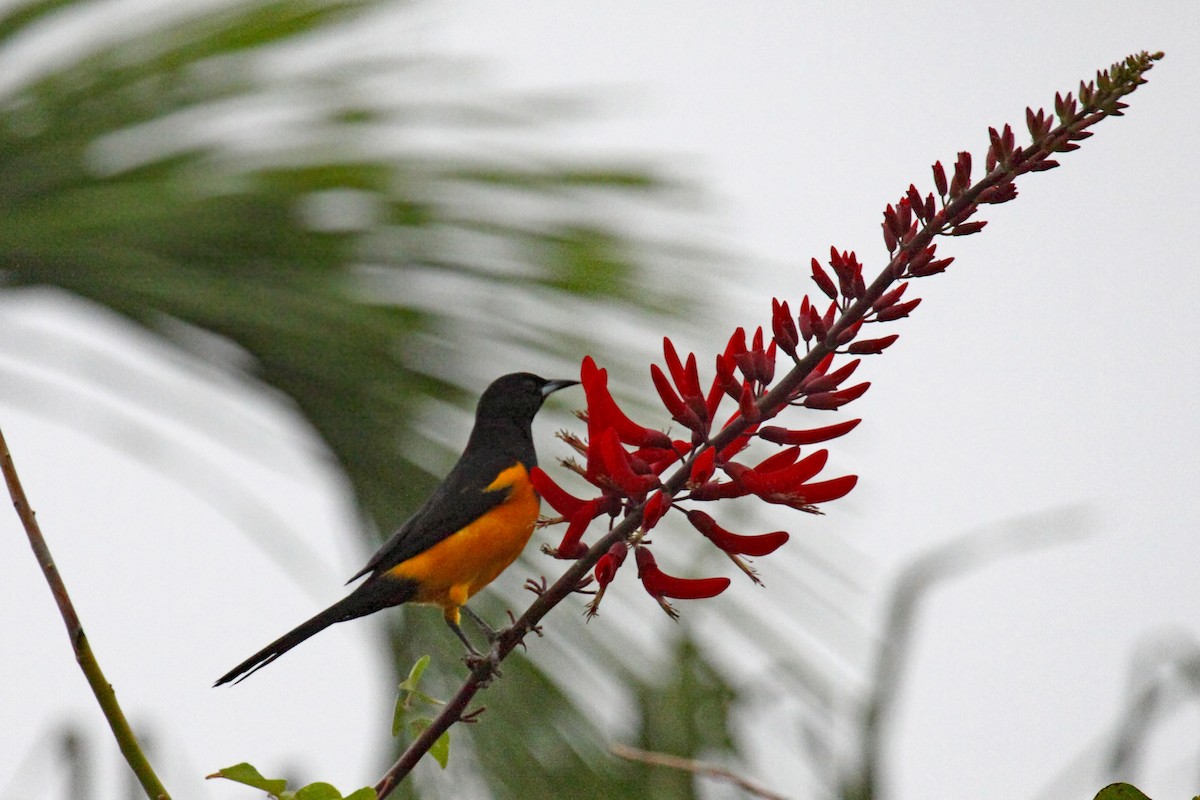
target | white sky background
x=1052, y=365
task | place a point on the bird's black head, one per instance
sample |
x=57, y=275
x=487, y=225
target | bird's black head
x=516, y=398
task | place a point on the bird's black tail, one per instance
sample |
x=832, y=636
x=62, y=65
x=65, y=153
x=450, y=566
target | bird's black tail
x=366, y=599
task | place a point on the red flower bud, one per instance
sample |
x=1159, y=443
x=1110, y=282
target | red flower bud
x=804, y=320
x=849, y=332
x=783, y=327
x=967, y=229
x=823, y=281
x=765, y=364
x=873, y=346
x=815, y=384
x=889, y=297
x=831, y=400
x=933, y=267
x=829, y=318
x=939, y=178
x=898, y=310
x=922, y=258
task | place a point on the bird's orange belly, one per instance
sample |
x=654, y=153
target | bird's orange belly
x=457, y=567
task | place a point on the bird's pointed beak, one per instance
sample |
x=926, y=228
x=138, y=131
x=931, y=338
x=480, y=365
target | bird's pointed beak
x=553, y=386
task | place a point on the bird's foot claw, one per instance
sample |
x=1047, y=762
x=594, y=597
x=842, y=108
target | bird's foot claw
x=483, y=668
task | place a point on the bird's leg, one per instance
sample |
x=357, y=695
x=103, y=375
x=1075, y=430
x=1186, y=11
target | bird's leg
x=488, y=631
x=453, y=623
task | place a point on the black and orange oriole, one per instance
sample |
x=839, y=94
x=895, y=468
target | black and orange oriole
x=473, y=526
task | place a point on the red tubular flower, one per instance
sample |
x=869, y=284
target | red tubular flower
x=606, y=568
x=779, y=435
x=747, y=406
x=681, y=412
x=686, y=378
x=767, y=483
x=658, y=505
x=559, y=499
x=617, y=467
x=739, y=444
x=725, y=380
x=571, y=546
x=603, y=411
x=826, y=491
x=784, y=458
x=737, y=342
x=660, y=585
x=704, y=466
x=735, y=543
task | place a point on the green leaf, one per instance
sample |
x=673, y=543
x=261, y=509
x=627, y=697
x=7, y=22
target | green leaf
x=410, y=683
x=441, y=748
x=408, y=693
x=245, y=774
x=318, y=791
x=366, y=793
x=1120, y=791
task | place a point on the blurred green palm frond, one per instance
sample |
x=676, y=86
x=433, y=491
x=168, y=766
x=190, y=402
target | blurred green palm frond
x=212, y=174
x=195, y=171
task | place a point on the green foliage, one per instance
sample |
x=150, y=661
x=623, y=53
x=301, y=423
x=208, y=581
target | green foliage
x=408, y=695
x=277, y=788
x=1120, y=791
x=352, y=283
x=687, y=716
x=117, y=188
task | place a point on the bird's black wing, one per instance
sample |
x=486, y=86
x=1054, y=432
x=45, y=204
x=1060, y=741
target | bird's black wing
x=459, y=500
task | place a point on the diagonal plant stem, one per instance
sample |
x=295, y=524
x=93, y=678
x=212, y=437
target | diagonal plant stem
x=713, y=771
x=1097, y=101
x=101, y=688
